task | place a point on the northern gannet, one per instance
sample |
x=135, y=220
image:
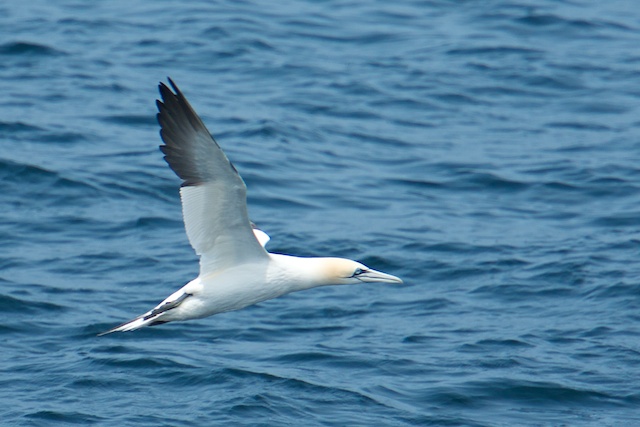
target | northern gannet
x=235, y=269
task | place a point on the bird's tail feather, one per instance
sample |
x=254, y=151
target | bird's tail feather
x=150, y=318
x=137, y=323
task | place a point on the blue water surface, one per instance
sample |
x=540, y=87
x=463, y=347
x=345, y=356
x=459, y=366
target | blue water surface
x=486, y=152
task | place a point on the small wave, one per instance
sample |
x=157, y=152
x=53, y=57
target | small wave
x=131, y=119
x=62, y=137
x=9, y=304
x=601, y=107
x=420, y=307
x=469, y=177
x=26, y=48
x=495, y=50
x=156, y=223
x=154, y=363
x=544, y=20
x=627, y=219
x=627, y=292
x=17, y=127
x=21, y=131
x=43, y=183
x=535, y=392
x=491, y=345
x=517, y=293
x=64, y=417
x=358, y=39
x=579, y=126
x=24, y=172
x=214, y=31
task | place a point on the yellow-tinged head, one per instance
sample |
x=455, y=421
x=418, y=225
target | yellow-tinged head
x=341, y=271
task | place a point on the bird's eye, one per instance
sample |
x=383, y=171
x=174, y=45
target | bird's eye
x=358, y=271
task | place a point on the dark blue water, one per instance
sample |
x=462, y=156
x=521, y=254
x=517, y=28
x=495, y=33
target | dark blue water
x=488, y=153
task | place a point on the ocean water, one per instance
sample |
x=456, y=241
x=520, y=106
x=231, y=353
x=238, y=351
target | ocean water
x=486, y=152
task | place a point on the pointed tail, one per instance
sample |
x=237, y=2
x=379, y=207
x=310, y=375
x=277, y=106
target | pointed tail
x=137, y=323
x=150, y=318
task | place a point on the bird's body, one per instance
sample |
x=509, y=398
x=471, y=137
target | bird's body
x=235, y=269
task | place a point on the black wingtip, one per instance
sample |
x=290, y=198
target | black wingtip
x=164, y=92
x=173, y=85
x=176, y=91
x=173, y=92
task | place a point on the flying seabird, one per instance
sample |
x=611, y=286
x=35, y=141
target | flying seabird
x=235, y=269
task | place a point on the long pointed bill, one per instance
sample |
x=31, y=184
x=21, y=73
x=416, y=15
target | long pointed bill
x=378, y=276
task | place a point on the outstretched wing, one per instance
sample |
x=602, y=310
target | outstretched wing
x=214, y=196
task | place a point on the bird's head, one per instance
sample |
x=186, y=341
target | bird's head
x=341, y=271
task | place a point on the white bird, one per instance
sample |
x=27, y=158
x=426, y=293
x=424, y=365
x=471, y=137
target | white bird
x=235, y=269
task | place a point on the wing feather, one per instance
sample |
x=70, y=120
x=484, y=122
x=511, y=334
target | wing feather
x=214, y=201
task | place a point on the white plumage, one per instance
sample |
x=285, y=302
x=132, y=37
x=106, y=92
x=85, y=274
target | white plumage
x=235, y=269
